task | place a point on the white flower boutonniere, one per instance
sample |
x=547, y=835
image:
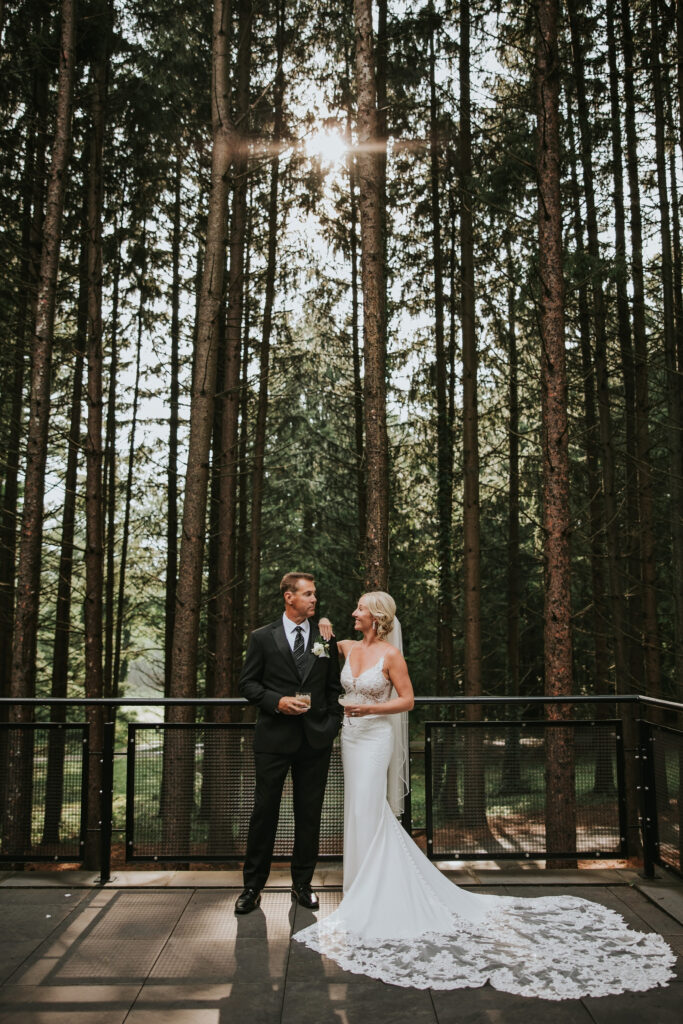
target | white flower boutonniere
x=321, y=648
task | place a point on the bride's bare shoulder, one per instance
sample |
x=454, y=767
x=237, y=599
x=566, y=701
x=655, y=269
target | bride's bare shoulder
x=344, y=646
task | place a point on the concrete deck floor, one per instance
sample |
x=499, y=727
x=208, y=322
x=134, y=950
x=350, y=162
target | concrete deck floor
x=155, y=947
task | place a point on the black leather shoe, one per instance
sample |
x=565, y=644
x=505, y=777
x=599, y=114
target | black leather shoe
x=305, y=897
x=247, y=901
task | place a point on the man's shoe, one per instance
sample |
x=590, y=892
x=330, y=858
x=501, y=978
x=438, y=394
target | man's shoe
x=247, y=901
x=305, y=897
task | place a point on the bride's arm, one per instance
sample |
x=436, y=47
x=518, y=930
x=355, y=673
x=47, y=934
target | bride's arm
x=326, y=632
x=397, y=670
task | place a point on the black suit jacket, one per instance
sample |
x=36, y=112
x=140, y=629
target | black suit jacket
x=270, y=672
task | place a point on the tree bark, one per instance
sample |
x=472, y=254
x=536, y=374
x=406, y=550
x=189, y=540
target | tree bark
x=560, y=786
x=373, y=279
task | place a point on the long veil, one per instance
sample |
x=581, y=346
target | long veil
x=398, y=772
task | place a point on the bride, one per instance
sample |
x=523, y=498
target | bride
x=400, y=919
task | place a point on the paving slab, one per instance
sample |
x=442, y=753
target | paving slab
x=50, y=880
x=658, y=919
x=658, y=1006
x=486, y=1005
x=331, y=1001
x=64, y=1004
x=193, y=1003
x=214, y=960
x=665, y=894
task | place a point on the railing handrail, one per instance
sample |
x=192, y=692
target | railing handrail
x=633, y=698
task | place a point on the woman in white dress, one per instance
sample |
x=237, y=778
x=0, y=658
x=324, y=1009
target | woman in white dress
x=404, y=922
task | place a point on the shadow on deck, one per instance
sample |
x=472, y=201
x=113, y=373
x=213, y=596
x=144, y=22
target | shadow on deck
x=166, y=947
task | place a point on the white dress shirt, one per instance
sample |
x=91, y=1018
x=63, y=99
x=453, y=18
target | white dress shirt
x=290, y=633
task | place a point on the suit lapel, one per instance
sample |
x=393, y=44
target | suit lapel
x=310, y=656
x=282, y=645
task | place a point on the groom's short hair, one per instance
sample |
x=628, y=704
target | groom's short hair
x=290, y=580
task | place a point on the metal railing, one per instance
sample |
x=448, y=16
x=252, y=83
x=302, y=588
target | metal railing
x=480, y=789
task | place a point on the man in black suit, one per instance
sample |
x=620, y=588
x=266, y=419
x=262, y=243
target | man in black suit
x=285, y=657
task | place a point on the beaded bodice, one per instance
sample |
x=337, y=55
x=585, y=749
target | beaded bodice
x=370, y=687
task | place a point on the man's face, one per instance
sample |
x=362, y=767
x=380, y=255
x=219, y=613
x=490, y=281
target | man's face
x=302, y=601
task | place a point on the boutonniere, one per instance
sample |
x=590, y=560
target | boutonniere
x=321, y=648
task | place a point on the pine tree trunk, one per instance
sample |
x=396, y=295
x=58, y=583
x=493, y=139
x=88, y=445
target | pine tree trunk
x=649, y=627
x=94, y=519
x=603, y=778
x=356, y=354
x=31, y=243
x=560, y=791
x=673, y=388
x=173, y=423
x=474, y=798
x=444, y=486
x=22, y=681
x=242, y=537
x=178, y=790
x=60, y=652
x=605, y=428
x=373, y=277
x=511, y=781
x=109, y=496
x=128, y=495
x=225, y=684
x=257, y=479
x=632, y=682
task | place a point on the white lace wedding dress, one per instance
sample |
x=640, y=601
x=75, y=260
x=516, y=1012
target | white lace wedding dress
x=402, y=921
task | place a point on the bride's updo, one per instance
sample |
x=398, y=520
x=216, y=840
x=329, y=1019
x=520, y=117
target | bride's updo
x=382, y=607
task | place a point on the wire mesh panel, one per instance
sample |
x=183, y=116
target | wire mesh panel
x=43, y=784
x=485, y=788
x=191, y=790
x=668, y=769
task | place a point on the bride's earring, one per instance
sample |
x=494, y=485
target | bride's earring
x=374, y=625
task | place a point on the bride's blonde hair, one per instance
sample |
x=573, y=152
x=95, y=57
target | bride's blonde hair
x=382, y=607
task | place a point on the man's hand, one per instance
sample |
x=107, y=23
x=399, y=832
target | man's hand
x=291, y=706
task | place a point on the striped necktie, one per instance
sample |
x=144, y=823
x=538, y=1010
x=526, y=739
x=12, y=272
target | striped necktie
x=299, y=651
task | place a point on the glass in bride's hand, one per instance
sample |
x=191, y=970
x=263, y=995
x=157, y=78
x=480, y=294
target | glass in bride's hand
x=304, y=697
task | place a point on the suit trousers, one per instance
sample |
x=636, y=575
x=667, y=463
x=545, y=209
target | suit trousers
x=309, y=768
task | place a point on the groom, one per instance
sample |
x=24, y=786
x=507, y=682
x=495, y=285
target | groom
x=284, y=658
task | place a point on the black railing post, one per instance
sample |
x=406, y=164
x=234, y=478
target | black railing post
x=648, y=798
x=429, y=817
x=107, y=794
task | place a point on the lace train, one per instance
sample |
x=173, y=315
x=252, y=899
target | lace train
x=554, y=947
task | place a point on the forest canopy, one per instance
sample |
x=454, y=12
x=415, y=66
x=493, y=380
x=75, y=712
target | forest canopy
x=309, y=286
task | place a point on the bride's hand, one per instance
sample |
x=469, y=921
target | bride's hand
x=356, y=710
x=325, y=627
